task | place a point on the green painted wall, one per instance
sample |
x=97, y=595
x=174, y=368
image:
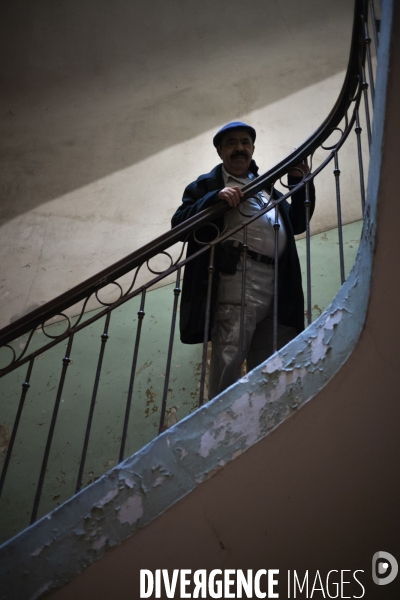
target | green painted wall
x=18, y=495
x=325, y=264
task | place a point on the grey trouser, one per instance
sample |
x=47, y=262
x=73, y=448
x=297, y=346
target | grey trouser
x=257, y=345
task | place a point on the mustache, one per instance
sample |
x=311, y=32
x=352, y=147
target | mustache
x=239, y=153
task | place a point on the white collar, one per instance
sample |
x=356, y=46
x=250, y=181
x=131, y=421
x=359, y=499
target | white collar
x=242, y=180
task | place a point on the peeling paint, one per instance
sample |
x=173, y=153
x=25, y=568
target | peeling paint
x=107, y=498
x=319, y=345
x=79, y=532
x=272, y=365
x=285, y=380
x=100, y=542
x=129, y=482
x=216, y=434
x=171, y=416
x=242, y=420
x=92, y=534
x=159, y=481
x=131, y=510
x=4, y=438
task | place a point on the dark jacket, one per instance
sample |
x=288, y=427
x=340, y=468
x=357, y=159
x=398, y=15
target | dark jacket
x=202, y=194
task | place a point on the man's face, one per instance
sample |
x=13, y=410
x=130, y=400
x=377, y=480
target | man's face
x=236, y=151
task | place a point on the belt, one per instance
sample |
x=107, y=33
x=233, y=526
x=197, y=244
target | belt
x=260, y=257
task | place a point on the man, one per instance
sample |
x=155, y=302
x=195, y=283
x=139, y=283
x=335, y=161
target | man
x=235, y=146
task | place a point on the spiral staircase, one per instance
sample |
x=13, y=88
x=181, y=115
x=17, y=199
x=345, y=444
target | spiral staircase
x=302, y=448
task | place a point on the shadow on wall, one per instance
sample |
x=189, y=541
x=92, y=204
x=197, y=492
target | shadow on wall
x=91, y=88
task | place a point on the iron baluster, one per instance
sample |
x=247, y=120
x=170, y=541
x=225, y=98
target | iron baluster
x=276, y=274
x=104, y=338
x=307, y=207
x=243, y=293
x=211, y=270
x=25, y=388
x=140, y=314
x=364, y=86
x=177, y=291
x=65, y=363
x=360, y=161
x=336, y=173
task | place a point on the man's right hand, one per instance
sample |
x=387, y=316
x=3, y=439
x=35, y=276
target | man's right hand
x=231, y=195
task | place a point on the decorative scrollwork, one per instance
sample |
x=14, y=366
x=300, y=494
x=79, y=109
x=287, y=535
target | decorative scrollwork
x=114, y=301
x=181, y=253
x=210, y=224
x=337, y=143
x=302, y=175
x=13, y=356
x=311, y=159
x=28, y=341
x=358, y=89
x=133, y=281
x=54, y=337
x=82, y=311
x=163, y=270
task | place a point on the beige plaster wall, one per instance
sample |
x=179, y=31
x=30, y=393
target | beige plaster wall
x=108, y=111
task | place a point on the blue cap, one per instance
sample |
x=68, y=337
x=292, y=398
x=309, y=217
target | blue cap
x=234, y=125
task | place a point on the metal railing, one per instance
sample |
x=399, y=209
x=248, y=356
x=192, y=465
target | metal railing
x=23, y=356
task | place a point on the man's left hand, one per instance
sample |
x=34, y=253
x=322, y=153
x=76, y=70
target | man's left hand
x=300, y=168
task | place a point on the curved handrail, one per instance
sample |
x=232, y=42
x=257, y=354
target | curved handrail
x=343, y=117
x=93, y=284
